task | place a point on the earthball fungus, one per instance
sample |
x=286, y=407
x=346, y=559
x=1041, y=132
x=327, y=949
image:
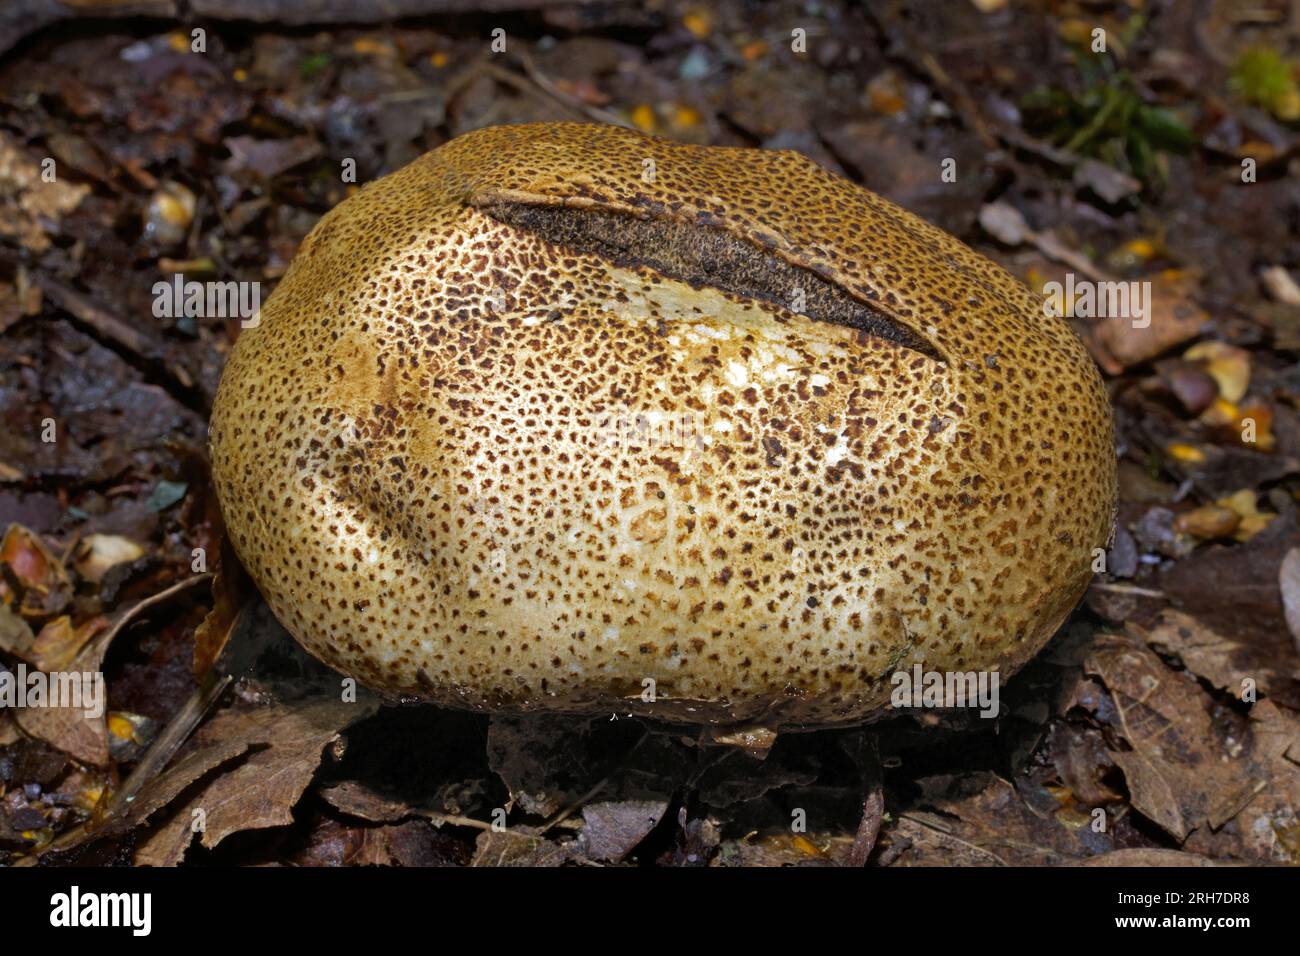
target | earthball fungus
x=565, y=417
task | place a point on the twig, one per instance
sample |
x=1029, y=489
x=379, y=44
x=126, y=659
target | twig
x=563, y=814
x=1127, y=589
x=572, y=102
x=991, y=133
x=873, y=803
x=136, y=344
x=165, y=745
x=99, y=320
x=105, y=639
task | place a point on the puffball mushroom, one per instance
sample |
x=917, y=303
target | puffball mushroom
x=565, y=417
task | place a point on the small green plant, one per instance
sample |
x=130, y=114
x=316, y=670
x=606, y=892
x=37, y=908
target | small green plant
x=1266, y=78
x=1108, y=120
x=313, y=65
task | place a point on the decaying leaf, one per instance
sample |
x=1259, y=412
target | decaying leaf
x=261, y=791
x=16, y=635
x=517, y=846
x=58, y=643
x=542, y=760
x=786, y=849
x=357, y=800
x=159, y=792
x=1234, y=588
x=1228, y=365
x=1270, y=823
x=79, y=729
x=1147, y=856
x=1227, y=662
x=613, y=828
x=982, y=821
x=231, y=590
x=411, y=843
x=1180, y=770
x=1263, y=824
x=29, y=203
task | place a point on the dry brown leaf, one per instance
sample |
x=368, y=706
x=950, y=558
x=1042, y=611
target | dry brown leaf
x=1226, y=662
x=1264, y=824
x=412, y=843
x=45, y=583
x=73, y=730
x=517, y=846
x=231, y=590
x=1180, y=771
x=1171, y=318
x=261, y=791
x=786, y=849
x=59, y=642
x=357, y=800
x=69, y=729
x=166, y=787
x=16, y=635
x=992, y=827
x=613, y=828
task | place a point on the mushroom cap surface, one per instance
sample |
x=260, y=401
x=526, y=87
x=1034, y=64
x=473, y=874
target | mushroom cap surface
x=530, y=425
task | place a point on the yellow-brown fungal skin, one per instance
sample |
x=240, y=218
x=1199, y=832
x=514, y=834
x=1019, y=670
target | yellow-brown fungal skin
x=424, y=458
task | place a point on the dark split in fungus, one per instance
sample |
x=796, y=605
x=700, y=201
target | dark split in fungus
x=702, y=256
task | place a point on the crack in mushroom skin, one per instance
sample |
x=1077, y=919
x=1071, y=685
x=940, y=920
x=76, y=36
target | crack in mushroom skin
x=468, y=461
x=700, y=256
